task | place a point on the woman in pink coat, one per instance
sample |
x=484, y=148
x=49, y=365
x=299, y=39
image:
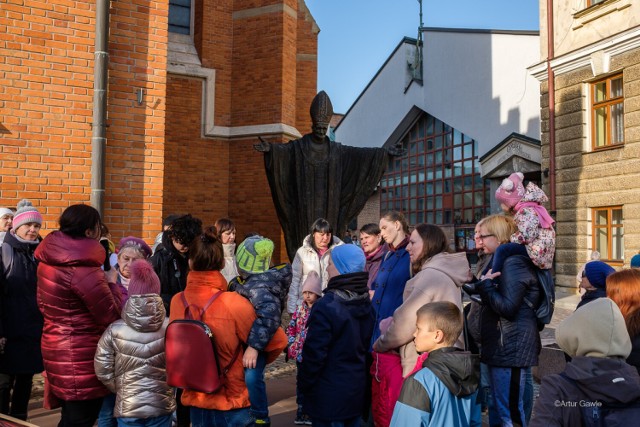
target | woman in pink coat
x=78, y=301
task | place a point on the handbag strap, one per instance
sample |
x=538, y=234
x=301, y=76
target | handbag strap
x=187, y=315
x=187, y=312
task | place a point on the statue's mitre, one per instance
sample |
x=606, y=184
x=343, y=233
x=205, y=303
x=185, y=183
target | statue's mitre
x=321, y=108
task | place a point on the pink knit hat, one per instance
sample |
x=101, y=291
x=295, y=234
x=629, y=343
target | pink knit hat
x=312, y=283
x=25, y=214
x=144, y=279
x=511, y=191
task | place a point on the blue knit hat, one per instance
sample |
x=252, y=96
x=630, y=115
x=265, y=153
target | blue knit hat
x=597, y=272
x=254, y=254
x=348, y=259
x=635, y=261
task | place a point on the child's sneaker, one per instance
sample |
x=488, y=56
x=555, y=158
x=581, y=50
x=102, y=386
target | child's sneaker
x=307, y=420
x=262, y=422
x=299, y=419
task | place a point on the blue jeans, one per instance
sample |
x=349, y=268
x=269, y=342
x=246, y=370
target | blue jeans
x=504, y=251
x=163, y=421
x=214, y=418
x=494, y=418
x=105, y=416
x=254, y=378
x=352, y=422
x=507, y=389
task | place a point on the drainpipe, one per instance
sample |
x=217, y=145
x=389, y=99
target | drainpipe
x=552, y=108
x=99, y=125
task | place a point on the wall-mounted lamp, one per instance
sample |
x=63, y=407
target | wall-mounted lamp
x=140, y=96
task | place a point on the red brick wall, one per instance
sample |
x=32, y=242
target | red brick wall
x=46, y=90
x=157, y=161
x=196, y=174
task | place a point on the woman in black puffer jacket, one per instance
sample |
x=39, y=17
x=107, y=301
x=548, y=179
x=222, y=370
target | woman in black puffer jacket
x=509, y=330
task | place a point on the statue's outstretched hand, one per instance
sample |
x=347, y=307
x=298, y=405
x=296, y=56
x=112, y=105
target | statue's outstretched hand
x=397, y=150
x=263, y=147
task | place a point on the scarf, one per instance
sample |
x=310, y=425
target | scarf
x=545, y=219
x=353, y=282
x=401, y=245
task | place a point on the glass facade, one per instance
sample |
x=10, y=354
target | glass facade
x=438, y=180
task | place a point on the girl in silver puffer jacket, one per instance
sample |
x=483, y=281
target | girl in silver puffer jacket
x=130, y=358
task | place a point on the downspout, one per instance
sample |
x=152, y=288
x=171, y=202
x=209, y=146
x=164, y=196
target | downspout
x=552, y=108
x=99, y=124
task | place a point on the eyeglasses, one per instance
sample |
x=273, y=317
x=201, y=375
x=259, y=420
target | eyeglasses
x=484, y=236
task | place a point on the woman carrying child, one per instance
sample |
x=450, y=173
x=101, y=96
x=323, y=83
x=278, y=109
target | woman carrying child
x=510, y=339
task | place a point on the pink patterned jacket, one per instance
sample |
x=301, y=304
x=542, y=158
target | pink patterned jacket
x=297, y=331
x=540, y=242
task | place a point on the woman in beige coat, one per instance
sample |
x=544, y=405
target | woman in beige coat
x=438, y=276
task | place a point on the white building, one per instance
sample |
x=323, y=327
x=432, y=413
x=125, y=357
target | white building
x=468, y=118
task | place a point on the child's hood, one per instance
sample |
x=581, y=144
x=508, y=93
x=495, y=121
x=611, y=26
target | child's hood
x=458, y=370
x=276, y=280
x=144, y=313
x=535, y=194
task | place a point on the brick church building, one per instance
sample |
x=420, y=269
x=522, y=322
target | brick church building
x=190, y=86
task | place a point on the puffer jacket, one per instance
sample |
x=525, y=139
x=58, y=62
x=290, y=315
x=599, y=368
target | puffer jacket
x=77, y=304
x=130, y=360
x=540, y=242
x=440, y=279
x=230, y=269
x=307, y=259
x=509, y=329
x=267, y=292
x=230, y=318
x=20, y=318
x=172, y=268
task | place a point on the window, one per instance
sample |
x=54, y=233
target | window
x=180, y=16
x=607, y=113
x=608, y=233
x=438, y=180
x=592, y=2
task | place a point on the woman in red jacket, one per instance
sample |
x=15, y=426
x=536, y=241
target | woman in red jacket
x=78, y=301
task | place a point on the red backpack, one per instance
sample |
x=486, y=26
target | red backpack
x=191, y=353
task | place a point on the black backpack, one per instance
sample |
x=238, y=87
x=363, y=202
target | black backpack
x=599, y=414
x=544, y=312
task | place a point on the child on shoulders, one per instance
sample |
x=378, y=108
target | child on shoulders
x=535, y=236
x=297, y=332
x=444, y=392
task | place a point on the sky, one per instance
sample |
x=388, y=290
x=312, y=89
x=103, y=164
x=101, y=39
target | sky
x=357, y=36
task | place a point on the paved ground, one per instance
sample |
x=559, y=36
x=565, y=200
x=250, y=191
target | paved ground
x=281, y=382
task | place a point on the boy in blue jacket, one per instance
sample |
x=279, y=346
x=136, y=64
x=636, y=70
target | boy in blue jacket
x=444, y=392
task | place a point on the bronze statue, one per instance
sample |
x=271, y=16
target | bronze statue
x=313, y=177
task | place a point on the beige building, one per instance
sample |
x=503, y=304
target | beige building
x=590, y=119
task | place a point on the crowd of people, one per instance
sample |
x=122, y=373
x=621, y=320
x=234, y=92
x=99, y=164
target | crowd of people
x=378, y=331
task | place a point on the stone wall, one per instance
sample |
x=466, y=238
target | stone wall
x=586, y=179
